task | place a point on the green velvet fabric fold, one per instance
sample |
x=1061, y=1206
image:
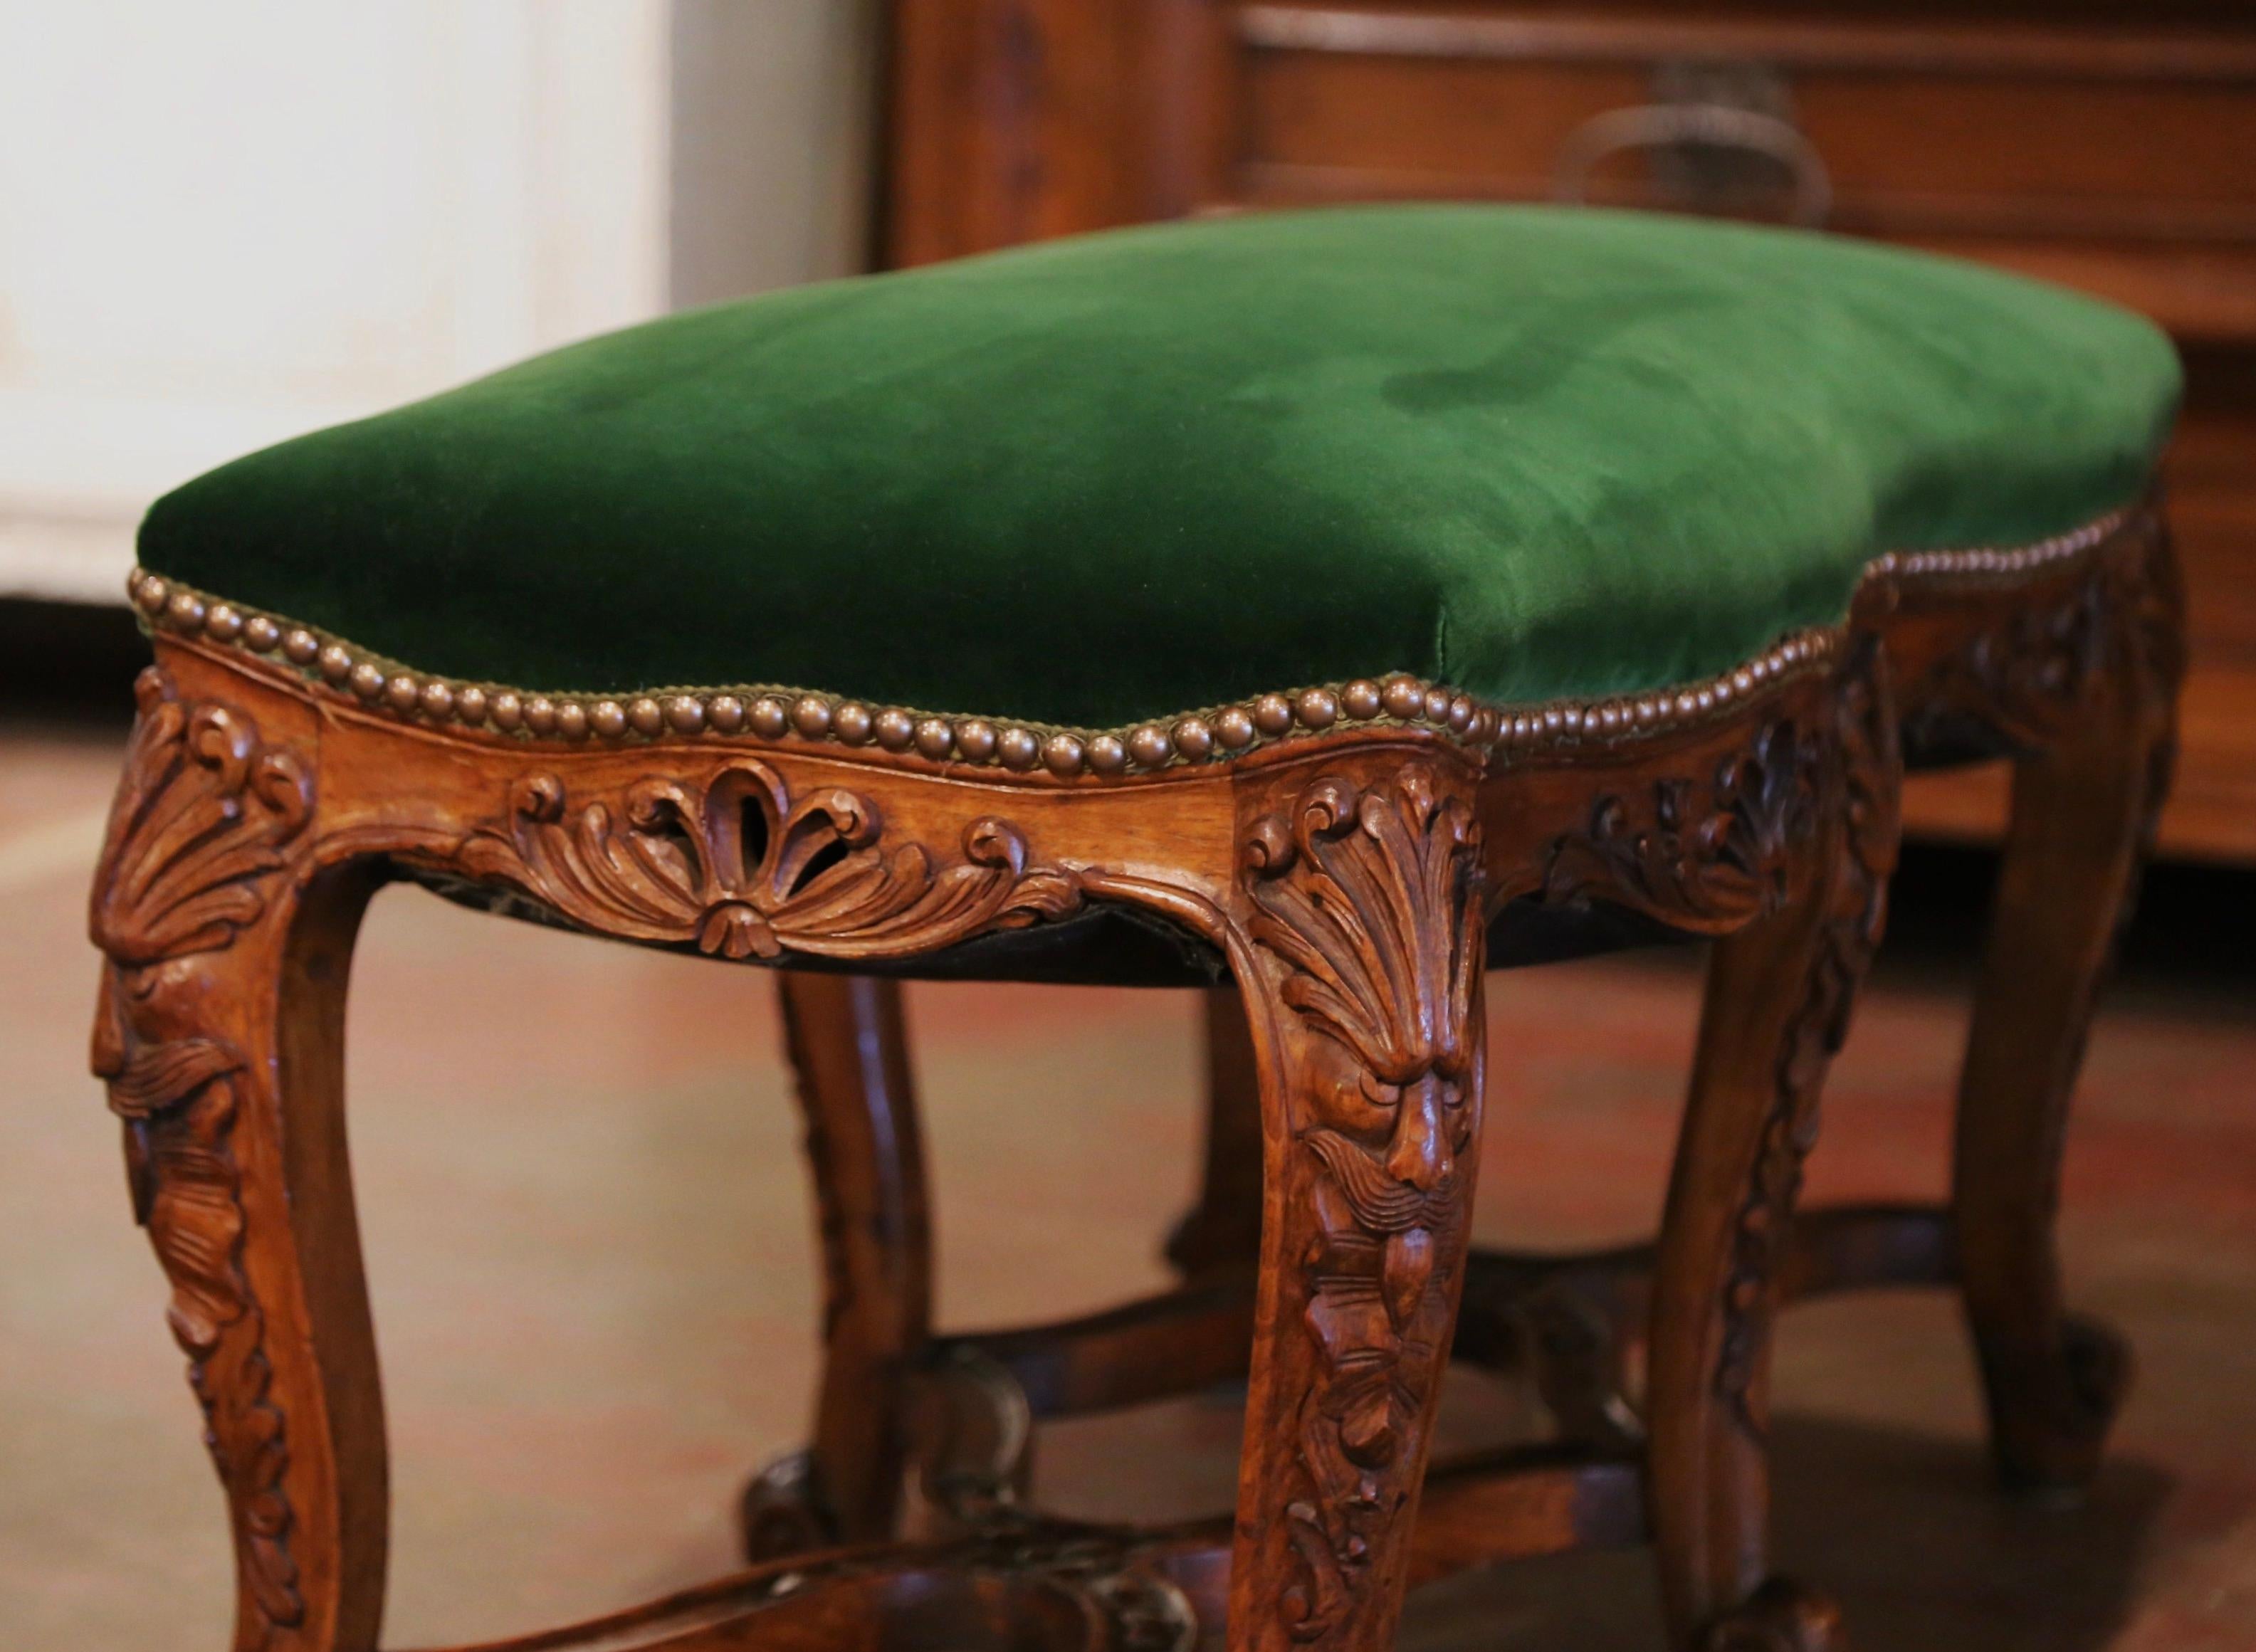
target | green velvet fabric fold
x=1528, y=452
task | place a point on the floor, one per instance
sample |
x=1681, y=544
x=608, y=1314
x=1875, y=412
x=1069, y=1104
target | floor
x=589, y=1248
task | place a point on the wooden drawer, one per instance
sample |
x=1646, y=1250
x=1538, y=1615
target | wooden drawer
x=2123, y=160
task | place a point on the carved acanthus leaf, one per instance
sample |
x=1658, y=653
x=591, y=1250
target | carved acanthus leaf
x=1368, y=900
x=1710, y=854
x=200, y=822
x=204, y=813
x=739, y=868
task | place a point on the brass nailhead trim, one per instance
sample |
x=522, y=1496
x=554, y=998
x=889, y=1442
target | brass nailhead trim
x=1198, y=737
x=1995, y=559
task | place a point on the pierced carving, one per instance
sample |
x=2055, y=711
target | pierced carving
x=1368, y=898
x=1855, y=917
x=740, y=869
x=202, y=819
x=1710, y=855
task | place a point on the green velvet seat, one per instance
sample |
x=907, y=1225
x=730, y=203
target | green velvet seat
x=1529, y=453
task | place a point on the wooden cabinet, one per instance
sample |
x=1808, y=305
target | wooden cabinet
x=2111, y=147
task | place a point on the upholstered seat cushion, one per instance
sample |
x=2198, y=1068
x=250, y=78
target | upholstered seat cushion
x=1530, y=453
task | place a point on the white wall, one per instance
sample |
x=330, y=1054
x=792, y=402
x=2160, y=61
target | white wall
x=773, y=116
x=225, y=222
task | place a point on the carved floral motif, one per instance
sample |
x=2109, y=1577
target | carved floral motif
x=1369, y=900
x=202, y=816
x=2023, y=680
x=740, y=868
x=1710, y=855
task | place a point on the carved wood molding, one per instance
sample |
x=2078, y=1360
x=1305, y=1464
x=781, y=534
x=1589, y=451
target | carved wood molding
x=1367, y=900
x=2019, y=682
x=2027, y=677
x=203, y=815
x=741, y=867
x=1708, y=852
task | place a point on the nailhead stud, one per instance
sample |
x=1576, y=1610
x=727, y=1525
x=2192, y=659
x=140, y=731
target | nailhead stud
x=935, y=738
x=1319, y=707
x=895, y=729
x=1234, y=729
x=1062, y=755
x=974, y=740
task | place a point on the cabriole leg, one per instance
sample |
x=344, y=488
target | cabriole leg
x=1221, y=1233
x=1779, y=996
x=850, y=1054
x=2083, y=812
x=219, y=1033
x=1359, y=952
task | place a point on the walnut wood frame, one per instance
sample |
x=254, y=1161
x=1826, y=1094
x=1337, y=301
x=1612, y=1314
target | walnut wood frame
x=2069, y=666
x=1345, y=879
